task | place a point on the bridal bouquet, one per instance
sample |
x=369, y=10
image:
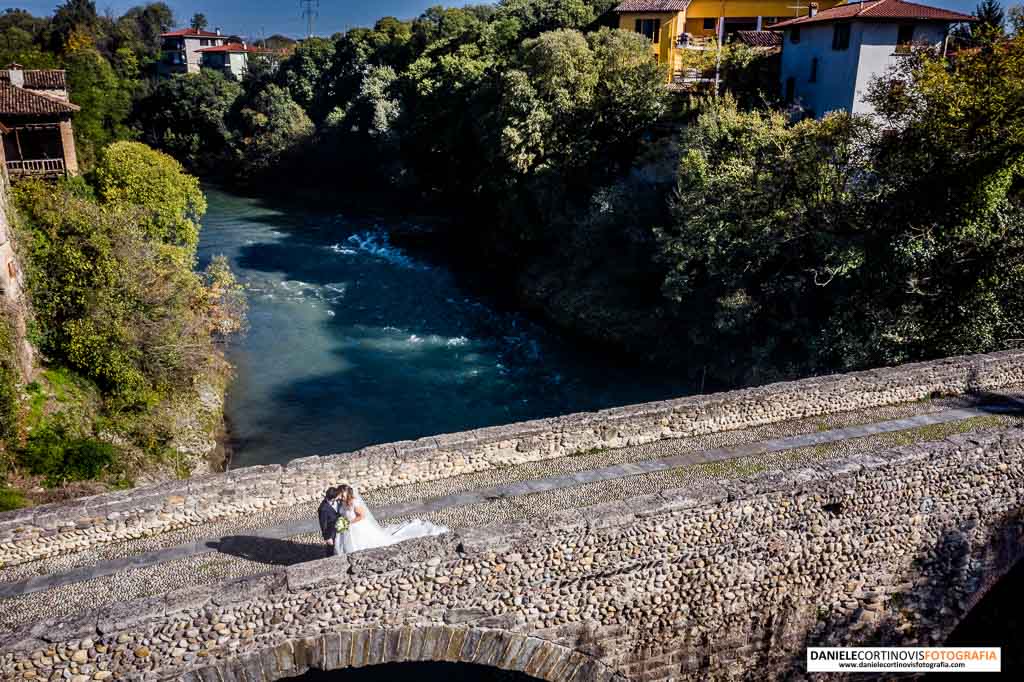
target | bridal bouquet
x=342, y=525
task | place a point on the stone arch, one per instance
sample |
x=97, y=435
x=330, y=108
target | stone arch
x=358, y=648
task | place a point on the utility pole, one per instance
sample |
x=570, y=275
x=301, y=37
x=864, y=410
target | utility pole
x=310, y=11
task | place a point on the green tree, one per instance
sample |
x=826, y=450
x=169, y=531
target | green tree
x=72, y=16
x=105, y=100
x=537, y=16
x=307, y=75
x=852, y=242
x=991, y=17
x=18, y=46
x=186, y=117
x=953, y=164
x=140, y=27
x=198, y=21
x=579, y=102
x=112, y=284
x=273, y=126
x=167, y=202
x=767, y=229
x=375, y=109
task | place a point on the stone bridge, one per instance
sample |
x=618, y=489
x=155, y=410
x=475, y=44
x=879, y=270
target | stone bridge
x=706, y=537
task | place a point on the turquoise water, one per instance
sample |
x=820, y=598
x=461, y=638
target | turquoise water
x=354, y=342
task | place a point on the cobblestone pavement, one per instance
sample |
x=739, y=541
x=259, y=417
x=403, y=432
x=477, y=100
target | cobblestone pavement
x=251, y=545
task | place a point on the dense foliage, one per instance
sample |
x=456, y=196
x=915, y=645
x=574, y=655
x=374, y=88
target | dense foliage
x=856, y=241
x=790, y=247
x=111, y=276
x=739, y=240
x=512, y=109
x=187, y=118
x=166, y=202
x=60, y=456
x=126, y=327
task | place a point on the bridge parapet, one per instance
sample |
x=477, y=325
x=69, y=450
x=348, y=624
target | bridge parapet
x=86, y=523
x=724, y=579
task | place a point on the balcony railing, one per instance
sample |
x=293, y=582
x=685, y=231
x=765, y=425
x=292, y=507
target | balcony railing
x=691, y=42
x=35, y=167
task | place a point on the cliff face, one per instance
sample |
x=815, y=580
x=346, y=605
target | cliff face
x=12, y=290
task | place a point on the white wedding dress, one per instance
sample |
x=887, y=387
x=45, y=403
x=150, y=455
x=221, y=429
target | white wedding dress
x=368, y=534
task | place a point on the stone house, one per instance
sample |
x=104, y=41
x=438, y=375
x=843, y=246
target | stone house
x=830, y=58
x=35, y=123
x=180, y=50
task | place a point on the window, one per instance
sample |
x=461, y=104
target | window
x=814, y=71
x=841, y=36
x=905, y=38
x=794, y=34
x=709, y=24
x=650, y=28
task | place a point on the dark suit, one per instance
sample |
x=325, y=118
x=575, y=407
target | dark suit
x=328, y=519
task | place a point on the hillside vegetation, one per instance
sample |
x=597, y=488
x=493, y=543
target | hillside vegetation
x=127, y=331
x=725, y=235
x=721, y=237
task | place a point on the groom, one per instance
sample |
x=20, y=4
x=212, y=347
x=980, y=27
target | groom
x=329, y=514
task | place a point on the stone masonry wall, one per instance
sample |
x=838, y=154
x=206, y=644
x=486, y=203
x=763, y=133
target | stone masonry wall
x=53, y=529
x=12, y=286
x=727, y=580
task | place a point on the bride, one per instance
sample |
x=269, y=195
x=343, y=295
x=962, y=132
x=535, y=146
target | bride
x=365, y=533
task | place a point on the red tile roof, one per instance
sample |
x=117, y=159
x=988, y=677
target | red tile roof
x=653, y=6
x=191, y=32
x=760, y=38
x=42, y=79
x=15, y=101
x=878, y=10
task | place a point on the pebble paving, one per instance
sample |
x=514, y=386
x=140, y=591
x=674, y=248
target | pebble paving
x=252, y=545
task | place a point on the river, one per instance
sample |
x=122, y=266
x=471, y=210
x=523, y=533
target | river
x=354, y=342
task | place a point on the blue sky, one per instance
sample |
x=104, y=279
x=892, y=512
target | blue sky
x=253, y=17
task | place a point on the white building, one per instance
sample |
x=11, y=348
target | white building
x=829, y=58
x=181, y=49
x=231, y=59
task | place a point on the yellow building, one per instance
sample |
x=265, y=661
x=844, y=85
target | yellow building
x=676, y=25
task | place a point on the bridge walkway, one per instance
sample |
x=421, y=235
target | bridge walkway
x=251, y=545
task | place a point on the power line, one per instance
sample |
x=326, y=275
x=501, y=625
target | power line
x=310, y=12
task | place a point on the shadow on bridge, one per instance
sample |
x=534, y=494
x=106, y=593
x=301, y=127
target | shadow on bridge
x=997, y=620
x=272, y=551
x=416, y=672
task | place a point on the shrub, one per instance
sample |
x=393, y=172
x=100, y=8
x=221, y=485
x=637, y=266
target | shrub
x=167, y=201
x=113, y=300
x=61, y=457
x=11, y=499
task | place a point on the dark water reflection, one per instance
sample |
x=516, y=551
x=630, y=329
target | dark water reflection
x=354, y=342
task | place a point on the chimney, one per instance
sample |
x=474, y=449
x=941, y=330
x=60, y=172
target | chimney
x=217, y=30
x=812, y=9
x=16, y=75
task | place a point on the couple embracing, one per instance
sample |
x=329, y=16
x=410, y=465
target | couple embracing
x=348, y=525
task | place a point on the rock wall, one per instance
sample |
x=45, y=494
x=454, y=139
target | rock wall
x=89, y=522
x=730, y=580
x=12, y=296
